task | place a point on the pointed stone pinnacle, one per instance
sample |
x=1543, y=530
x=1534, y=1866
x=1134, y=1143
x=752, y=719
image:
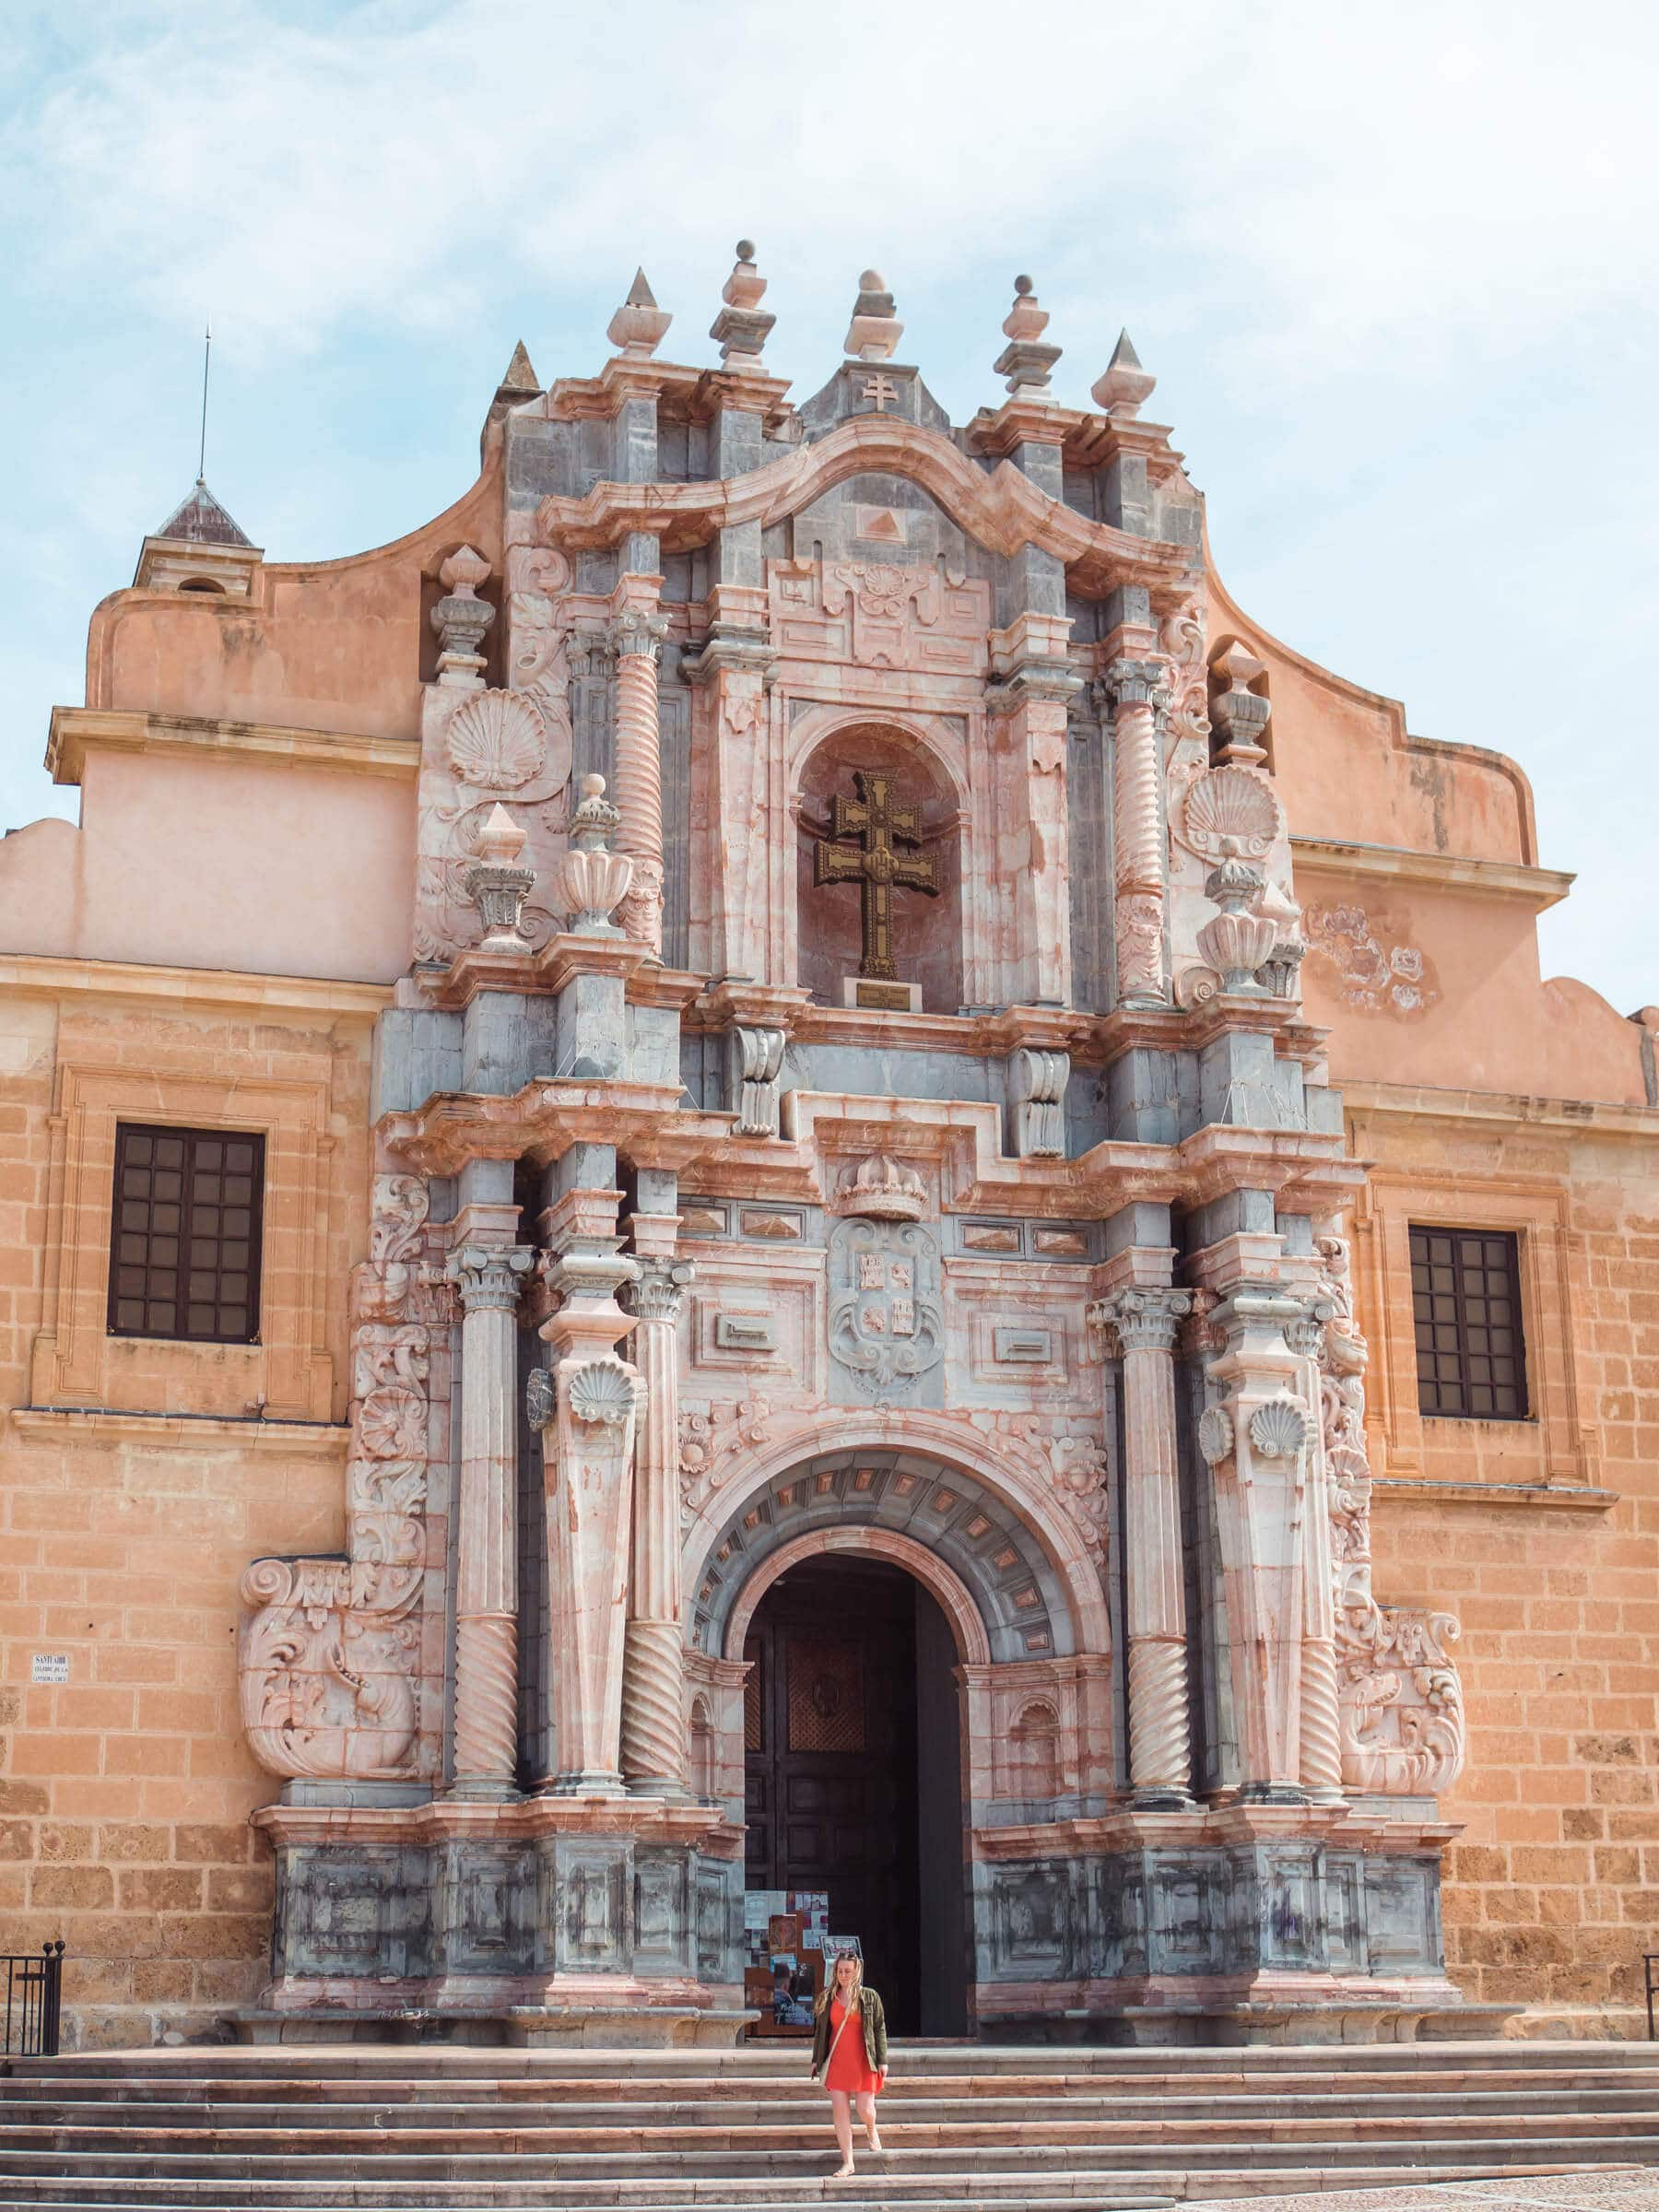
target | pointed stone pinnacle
x=1125, y=383
x=520, y=381
x=639, y=324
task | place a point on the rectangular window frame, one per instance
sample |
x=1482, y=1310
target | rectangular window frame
x=190, y=1136
x=1458, y=1329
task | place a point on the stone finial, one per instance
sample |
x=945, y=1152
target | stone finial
x=638, y=325
x=1125, y=383
x=1240, y=938
x=592, y=880
x=461, y=619
x=1025, y=360
x=875, y=330
x=740, y=328
x=498, y=885
x=1238, y=716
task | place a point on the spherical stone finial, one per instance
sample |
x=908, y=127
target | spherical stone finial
x=871, y=281
x=593, y=787
x=1023, y=285
x=745, y=248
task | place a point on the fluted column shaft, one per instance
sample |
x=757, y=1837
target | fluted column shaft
x=485, y=1728
x=637, y=636
x=1139, y=832
x=1159, y=1734
x=653, y=1727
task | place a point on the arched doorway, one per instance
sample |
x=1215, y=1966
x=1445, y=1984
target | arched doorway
x=852, y=1772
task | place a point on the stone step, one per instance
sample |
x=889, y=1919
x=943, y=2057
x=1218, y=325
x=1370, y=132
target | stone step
x=463, y=2061
x=1100, y=2190
x=1012, y=2135
x=804, y=2108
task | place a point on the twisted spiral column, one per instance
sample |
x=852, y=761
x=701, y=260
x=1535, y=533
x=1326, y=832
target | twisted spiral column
x=653, y=1724
x=486, y=1723
x=1138, y=828
x=1159, y=1734
x=1321, y=1721
x=636, y=637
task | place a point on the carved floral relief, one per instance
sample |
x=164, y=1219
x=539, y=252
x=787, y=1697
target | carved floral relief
x=1368, y=957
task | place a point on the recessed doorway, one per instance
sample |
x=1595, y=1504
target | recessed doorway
x=852, y=1775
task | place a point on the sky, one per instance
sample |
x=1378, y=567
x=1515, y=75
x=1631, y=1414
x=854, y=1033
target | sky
x=1394, y=269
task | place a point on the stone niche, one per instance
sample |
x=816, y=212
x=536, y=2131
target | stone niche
x=927, y=931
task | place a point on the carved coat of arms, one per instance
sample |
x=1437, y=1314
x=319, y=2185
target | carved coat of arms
x=886, y=1326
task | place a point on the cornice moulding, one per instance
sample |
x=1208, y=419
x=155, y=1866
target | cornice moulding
x=1422, y=1101
x=114, y=1424
x=1536, y=888
x=77, y=730
x=54, y=976
x=1562, y=1498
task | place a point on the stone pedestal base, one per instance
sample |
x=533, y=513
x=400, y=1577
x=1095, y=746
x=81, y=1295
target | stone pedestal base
x=1248, y=1925
x=592, y=1921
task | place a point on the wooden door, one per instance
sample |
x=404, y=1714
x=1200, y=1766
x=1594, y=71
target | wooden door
x=830, y=1759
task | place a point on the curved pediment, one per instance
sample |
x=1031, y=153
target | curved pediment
x=1003, y=510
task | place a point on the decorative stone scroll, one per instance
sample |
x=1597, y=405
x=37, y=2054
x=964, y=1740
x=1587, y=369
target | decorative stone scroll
x=1400, y=1700
x=327, y=1664
x=1036, y=1081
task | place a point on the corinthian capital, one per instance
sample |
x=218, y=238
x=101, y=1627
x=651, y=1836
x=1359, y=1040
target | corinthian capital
x=1146, y=1319
x=490, y=1276
x=1136, y=683
x=635, y=631
x=660, y=1291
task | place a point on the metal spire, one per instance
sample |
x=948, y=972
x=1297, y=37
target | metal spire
x=206, y=359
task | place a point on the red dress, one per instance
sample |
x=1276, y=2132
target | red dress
x=849, y=2069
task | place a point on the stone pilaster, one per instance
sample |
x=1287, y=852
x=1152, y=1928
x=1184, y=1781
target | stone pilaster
x=1139, y=873
x=486, y=1725
x=586, y=1407
x=1145, y=1320
x=636, y=635
x=1257, y=1442
x=653, y=1720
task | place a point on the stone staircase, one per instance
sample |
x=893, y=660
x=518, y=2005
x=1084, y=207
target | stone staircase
x=1015, y=2130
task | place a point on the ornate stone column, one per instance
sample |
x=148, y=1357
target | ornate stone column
x=636, y=633
x=653, y=1715
x=1139, y=832
x=1159, y=1737
x=486, y=1730
x=1320, y=1744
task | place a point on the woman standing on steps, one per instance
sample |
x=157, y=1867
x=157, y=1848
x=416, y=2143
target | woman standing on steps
x=849, y=2049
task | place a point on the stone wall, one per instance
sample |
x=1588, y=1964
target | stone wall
x=1552, y=1891
x=125, y=1790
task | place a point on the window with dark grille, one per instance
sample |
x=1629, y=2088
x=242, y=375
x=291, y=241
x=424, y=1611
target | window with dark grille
x=185, y=1255
x=1465, y=1297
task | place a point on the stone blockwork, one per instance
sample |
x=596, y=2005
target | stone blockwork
x=137, y=1478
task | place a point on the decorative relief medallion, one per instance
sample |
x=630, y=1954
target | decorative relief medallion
x=1279, y=1428
x=1370, y=961
x=887, y=1326
x=1216, y=1440
x=1236, y=803
x=495, y=742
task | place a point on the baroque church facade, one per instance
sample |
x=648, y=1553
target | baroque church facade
x=771, y=1166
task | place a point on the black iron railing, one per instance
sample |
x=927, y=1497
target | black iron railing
x=1649, y=1960
x=34, y=1998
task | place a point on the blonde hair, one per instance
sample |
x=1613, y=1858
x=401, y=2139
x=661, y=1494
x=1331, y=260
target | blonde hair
x=829, y=1990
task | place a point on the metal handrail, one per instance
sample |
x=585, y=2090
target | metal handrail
x=34, y=1997
x=1649, y=1960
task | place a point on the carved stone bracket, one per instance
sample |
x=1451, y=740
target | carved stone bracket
x=755, y=1063
x=1036, y=1081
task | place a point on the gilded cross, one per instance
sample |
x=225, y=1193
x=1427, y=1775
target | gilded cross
x=880, y=825
x=880, y=392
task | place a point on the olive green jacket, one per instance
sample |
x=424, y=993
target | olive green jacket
x=875, y=2034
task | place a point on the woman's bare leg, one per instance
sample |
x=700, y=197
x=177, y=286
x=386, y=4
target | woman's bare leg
x=867, y=2112
x=840, y=2106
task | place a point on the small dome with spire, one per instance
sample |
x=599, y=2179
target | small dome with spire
x=199, y=520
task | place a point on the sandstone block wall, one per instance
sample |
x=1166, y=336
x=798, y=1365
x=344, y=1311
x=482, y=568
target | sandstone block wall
x=125, y=1790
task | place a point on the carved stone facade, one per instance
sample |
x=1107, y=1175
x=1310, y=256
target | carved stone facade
x=975, y=1204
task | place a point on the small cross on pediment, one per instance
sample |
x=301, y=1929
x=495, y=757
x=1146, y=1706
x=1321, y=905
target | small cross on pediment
x=879, y=393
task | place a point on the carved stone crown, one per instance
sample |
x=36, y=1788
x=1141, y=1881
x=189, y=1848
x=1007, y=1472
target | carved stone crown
x=882, y=1189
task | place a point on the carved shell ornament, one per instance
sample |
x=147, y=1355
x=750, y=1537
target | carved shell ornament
x=1231, y=803
x=1216, y=1435
x=496, y=741
x=601, y=1393
x=1279, y=1428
